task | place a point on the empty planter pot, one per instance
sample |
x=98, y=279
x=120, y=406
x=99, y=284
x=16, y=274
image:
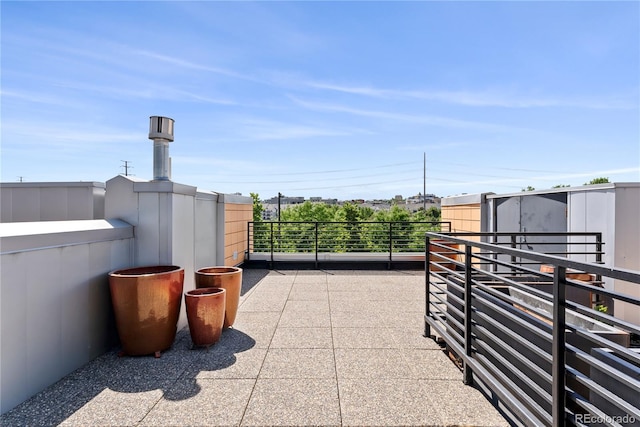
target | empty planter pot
x=205, y=314
x=146, y=303
x=228, y=278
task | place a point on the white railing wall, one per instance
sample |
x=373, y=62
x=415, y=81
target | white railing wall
x=55, y=303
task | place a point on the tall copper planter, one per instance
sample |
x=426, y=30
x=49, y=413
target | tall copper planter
x=205, y=314
x=146, y=302
x=228, y=278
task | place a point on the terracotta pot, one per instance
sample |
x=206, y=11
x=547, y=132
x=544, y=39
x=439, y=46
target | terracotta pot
x=228, y=278
x=449, y=252
x=569, y=274
x=146, y=302
x=205, y=314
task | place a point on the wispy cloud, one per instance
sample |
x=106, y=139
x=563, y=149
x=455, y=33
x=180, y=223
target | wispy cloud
x=71, y=135
x=261, y=130
x=412, y=118
x=485, y=98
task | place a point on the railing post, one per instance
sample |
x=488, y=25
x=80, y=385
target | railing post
x=467, y=373
x=427, y=289
x=558, y=347
x=250, y=225
x=316, y=245
x=390, y=244
x=271, y=245
x=513, y=258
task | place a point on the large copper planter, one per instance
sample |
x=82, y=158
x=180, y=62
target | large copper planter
x=205, y=314
x=228, y=278
x=146, y=302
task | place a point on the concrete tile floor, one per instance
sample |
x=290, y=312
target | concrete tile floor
x=322, y=348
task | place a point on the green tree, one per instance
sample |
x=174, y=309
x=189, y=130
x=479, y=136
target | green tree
x=560, y=186
x=529, y=188
x=602, y=180
x=261, y=242
x=258, y=207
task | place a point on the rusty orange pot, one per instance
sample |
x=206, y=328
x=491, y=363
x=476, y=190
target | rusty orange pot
x=228, y=278
x=205, y=314
x=146, y=302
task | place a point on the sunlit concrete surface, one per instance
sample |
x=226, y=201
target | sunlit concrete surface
x=309, y=347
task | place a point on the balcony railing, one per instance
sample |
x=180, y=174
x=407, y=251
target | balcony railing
x=317, y=241
x=539, y=330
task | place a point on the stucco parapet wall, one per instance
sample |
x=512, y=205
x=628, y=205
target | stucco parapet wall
x=52, y=184
x=207, y=195
x=465, y=199
x=23, y=236
x=164, y=187
x=235, y=198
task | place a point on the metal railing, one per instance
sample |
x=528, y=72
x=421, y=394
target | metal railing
x=339, y=237
x=525, y=324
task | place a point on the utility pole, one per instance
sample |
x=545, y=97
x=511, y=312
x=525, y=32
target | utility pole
x=20, y=178
x=126, y=167
x=279, y=197
x=424, y=183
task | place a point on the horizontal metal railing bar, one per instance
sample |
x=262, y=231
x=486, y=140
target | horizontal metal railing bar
x=448, y=316
x=517, y=338
x=499, y=305
x=571, y=305
x=603, y=367
x=499, y=340
x=616, y=273
x=496, y=386
x=604, y=342
x=589, y=407
x=483, y=368
x=616, y=400
x=546, y=396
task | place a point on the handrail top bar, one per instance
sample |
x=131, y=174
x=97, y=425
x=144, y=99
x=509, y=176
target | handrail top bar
x=524, y=233
x=618, y=273
x=349, y=222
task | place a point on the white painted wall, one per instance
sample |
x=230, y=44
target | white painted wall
x=164, y=216
x=206, y=229
x=54, y=297
x=51, y=201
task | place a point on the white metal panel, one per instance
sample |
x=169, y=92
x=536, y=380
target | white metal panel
x=148, y=230
x=54, y=204
x=205, y=232
x=26, y=205
x=44, y=317
x=55, y=312
x=6, y=205
x=627, y=255
x=183, y=242
x=74, y=328
x=13, y=330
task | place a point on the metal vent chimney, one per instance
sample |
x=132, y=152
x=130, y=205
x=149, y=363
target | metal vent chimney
x=161, y=132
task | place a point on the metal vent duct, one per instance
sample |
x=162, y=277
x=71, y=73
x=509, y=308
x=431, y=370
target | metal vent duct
x=161, y=132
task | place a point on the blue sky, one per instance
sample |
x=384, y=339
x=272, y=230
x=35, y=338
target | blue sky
x=331, y=99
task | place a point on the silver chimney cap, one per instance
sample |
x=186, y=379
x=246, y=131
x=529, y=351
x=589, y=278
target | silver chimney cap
x=161, y=132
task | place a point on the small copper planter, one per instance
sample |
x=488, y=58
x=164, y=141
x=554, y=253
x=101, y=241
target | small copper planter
x=205, y=314
x=228, y=278
x=146, y=302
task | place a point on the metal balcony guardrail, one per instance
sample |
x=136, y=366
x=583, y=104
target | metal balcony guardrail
x=312, y=238
x=526, y=325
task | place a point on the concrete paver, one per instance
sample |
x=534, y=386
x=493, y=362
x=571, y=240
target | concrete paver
x=323, y=348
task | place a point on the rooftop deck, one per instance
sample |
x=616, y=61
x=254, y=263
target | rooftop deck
x=309, y=347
